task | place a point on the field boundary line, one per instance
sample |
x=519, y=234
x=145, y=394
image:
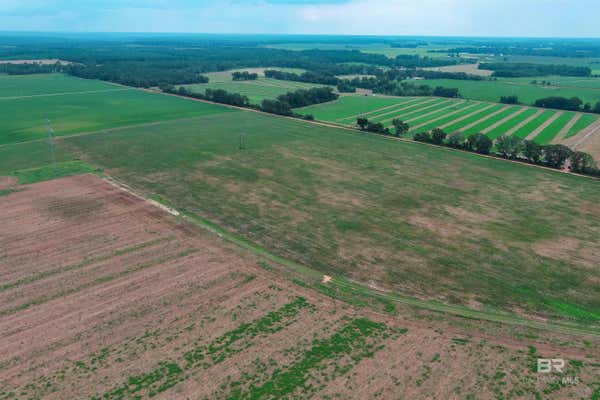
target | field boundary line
x=543, y=126
x=504, y=120
x=63, y=94
x=261, y=251
x=577, y=141
x=565, y=130
x=482, y=120
x=523, y=123
x=460, y=119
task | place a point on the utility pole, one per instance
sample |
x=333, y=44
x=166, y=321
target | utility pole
x=51, y=140
x=241, y=145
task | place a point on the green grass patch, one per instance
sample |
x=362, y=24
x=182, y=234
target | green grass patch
x=491, y=121
x=358, y=339
x=53, y=171
x=583, y=122
x=550, y=132
x=532, y=125
x=511, y=123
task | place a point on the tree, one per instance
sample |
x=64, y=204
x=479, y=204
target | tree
x=555, y=155
x=479, y=143
x=276, y=107
x=582, y=162
x=362, y=122
x=532, y=151
x=509, y=146
x=509, y=100
x=596, y=108
x=423, y=137
x=456, y=140
x=400, y=126
x=438, y=136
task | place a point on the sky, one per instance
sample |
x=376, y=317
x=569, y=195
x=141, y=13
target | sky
x=525, y=18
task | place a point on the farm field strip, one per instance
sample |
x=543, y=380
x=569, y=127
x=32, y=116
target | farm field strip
x=532, y=124
x=553, y=129
x=533, y=135
x=439, y=122
x=453, y=106
x=567, y=128
x=508, y=119
x=414, y=106
x=583, y=123
x=403, y=102
x=511, y=125
x=427, y=112
x=491, y=120
x=473, y=126
x=470, y=118
x=417, y=109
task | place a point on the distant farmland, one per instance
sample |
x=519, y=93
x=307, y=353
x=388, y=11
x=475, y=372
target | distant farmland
x=76, y=105
x=452, y=115
x=586, y=89
x=256, y=90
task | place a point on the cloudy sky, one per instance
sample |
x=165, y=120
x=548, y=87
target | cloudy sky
x=564, y=18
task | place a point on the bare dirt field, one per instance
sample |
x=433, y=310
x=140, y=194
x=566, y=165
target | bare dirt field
x=472, y=69
x=105, y=296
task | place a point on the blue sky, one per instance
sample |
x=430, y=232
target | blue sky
x=564, y=18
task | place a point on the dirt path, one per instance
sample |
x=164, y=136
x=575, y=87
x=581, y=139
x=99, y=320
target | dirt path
x=543, y=126
x=522, y=124
x=444, y=116
x=479, y=121
x=405, y=114
x=403, y=107
x=564, y=131
x=503, y=120
x=6, y=182
x=452, y=104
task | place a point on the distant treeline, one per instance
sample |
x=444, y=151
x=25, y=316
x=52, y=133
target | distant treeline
x=283, y=105
x=28, y=69
x=244, y=76
x=515, y=70
x=569, y=104
x=509, y=147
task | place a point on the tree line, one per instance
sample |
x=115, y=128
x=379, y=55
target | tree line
x=244, y=76
x=515, y=70
x=510, y=147
x=283, y=105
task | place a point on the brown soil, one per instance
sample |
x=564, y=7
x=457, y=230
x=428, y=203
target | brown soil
x=98, y=286
x=6, y=182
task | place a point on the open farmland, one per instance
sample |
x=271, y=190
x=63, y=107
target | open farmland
x=133, y=303
x=256, y=90
x=76, y=105
x=325, y=203
x=526, y=92
x=452, y=115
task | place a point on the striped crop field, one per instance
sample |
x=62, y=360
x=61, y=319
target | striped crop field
x=455, y=115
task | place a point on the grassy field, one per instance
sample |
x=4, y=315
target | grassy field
x=527, y=93
x=76, y=105
x=452, y=115
x=256, y=90
x=394, y=214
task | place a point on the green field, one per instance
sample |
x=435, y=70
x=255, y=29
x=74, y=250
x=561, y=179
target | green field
x=452, y=115
x=256, y=90
x=527, y=93
x=374, y=48
x=76, y=105
x=398, y=214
